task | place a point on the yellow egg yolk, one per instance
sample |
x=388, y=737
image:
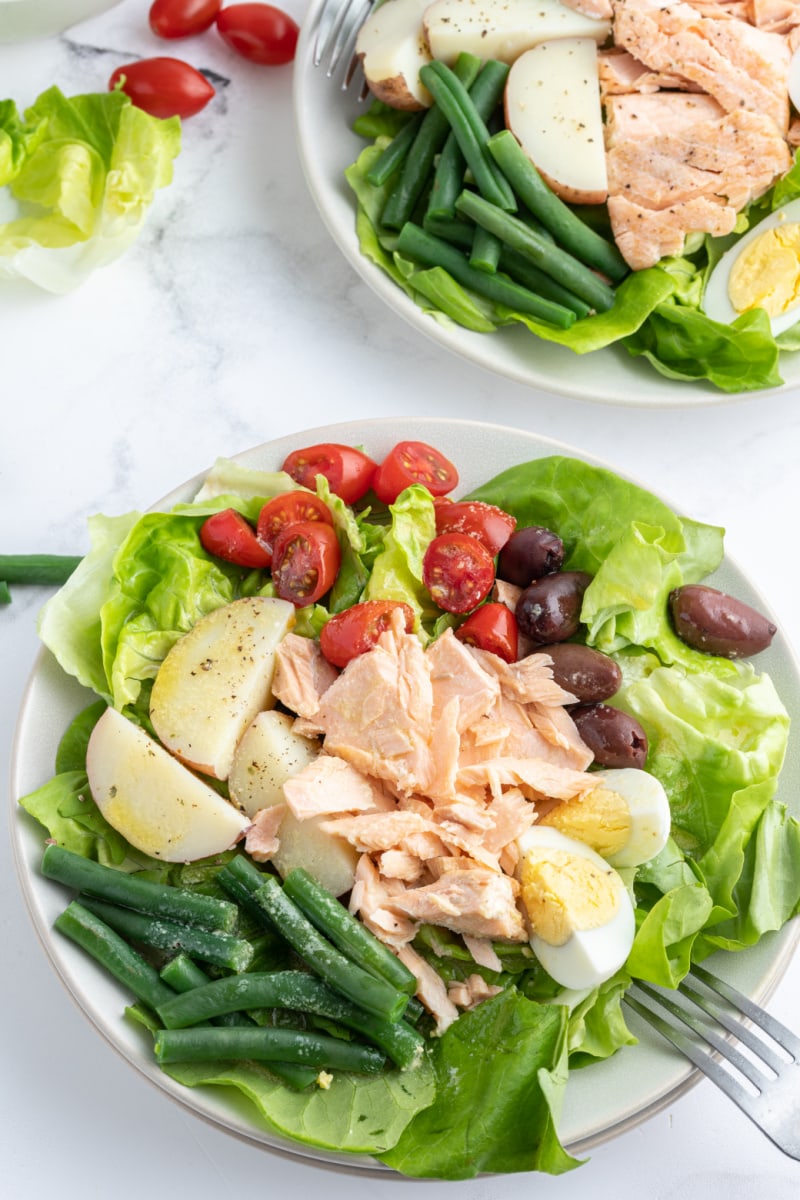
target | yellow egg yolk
x=564, y=893
x=600, y=819
x=767, y=272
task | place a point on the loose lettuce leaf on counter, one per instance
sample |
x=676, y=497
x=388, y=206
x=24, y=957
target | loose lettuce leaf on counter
x=82, y=173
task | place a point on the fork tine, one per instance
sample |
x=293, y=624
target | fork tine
x=778, y=1032
x=691, y=1050
x=344, y=36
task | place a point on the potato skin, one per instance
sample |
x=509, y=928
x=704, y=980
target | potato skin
x=394, y=92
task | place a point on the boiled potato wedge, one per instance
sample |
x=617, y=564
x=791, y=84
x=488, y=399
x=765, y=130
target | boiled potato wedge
x=392, y=48
x=503, y=29
x=216, y=678
x=155, y=802
x=269, y=754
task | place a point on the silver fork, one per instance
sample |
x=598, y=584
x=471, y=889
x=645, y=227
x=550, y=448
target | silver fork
x=771, y=1097
x=337, y=30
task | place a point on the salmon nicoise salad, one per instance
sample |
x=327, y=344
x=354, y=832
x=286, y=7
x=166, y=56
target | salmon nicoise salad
x=386, y=793
x=588, y=169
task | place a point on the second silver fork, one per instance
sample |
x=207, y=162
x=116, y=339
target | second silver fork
x=339, y=23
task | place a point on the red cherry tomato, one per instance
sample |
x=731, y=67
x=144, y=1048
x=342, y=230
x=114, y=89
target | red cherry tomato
x=259, y=32
x=305, y=562
x=182, y=18
x=352, y=632
x=490, y=525
x=413, y=462
x=347, y=470
x=164, y=87
x=289, y=508
x=458, y=571
x=228, y=535
x=492, y=627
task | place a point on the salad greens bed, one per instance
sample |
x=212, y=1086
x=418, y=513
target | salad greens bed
x=656, y=313
x=487, y=1095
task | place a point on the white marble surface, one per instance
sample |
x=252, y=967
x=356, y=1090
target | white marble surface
x=233, y=320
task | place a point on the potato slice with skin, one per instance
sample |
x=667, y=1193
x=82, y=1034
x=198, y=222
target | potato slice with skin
x=392, y=47
x=216, y=678
x=269, y=754
x=152, y=799
x=503, y=29
x=552, y=106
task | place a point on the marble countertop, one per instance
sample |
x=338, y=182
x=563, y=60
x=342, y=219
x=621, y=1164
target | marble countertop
x=234, y=319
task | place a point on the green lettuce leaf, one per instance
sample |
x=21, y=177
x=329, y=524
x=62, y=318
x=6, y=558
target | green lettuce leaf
x=501, y=1070
x=82, y=173
x=397, y=567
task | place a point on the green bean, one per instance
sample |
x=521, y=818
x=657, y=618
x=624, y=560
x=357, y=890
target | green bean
x=565, y=225
x=295, y=990
x=182, y=974
x=470, y=129
x=450, y=229
x=37, y=568
x=392, y=156
x=113, y=952
x=5, y=594
x=429, y=140
x=346, y=932
x=485, y=251
x=374, y=995
x=267, y=1045
x=448, y=180
x=529, y=276
x=131, y=891
x=221, y=949
x=550, y=258
x=434, y=252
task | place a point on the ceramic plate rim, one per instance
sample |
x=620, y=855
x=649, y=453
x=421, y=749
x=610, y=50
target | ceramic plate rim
x=610, y=376
x=49, y=695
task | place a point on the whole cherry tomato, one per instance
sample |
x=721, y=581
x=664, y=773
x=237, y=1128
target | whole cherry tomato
x=458, y=572
x=289, y=508
x=352, y=632
x=259, y=32
x=163, y=87
x=228, y=535
x=347, y=470
x=490, y=525
x=305, y=562
x=492, y=627
x=182, y=18
x=413, y=462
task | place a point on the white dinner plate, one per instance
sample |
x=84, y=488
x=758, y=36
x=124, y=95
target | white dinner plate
x=324, y=114
x=602, y=1100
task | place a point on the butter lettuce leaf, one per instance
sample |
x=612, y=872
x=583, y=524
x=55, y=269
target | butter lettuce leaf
x=81, y=174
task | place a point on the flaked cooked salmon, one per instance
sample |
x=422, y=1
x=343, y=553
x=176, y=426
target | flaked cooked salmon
x=479, y=903
x=302, y=675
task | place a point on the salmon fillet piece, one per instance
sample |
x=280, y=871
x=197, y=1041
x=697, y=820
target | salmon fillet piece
x=470, y=992
x=736, y=63
x=479, y=903
x=261, y=839
x=620, y=73
x=538, y=776
x=330, y=785
x=302, y=674
x=431, y=990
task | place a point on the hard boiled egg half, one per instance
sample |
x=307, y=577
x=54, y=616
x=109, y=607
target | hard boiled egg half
x=762, y=270
x=626, y=818
x=578, y=910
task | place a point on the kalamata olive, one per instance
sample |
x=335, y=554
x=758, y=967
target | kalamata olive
x=549, y=609
x=614, y=738
x=711, y=621
x=530, y=553
x=588, y=674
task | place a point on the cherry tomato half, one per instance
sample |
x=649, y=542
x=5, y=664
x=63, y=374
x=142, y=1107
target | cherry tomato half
x=182, y=18
x=163, y=87
x=259, y=32
x=228, y=535
x=347, y=470
x=305, y=562
x=352, y=632
x=458, y=571
x=413, y=462
x=289, y=508
x=490, y=525
x=492, y=627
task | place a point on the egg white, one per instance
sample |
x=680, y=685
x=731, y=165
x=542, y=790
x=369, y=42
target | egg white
x=649, y=811
x=589, y=956
x=716, y=302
